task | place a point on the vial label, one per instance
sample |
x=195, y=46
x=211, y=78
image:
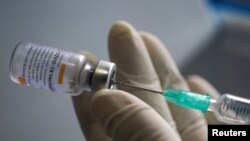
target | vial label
x=42, y=66
x=57, y=70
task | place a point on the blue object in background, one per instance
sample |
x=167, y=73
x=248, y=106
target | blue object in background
x=237, y=6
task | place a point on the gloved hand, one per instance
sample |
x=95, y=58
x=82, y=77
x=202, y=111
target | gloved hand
x=137, y=115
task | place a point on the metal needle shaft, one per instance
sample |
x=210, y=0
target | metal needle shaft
x=134, y=86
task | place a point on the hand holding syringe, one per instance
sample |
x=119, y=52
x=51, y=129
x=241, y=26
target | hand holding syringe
x=146, y=61
x=227, y=108
x=65, y=68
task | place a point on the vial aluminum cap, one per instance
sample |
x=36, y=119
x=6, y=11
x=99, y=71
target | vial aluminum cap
x=104, y=74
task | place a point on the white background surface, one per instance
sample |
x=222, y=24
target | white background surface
x=28, y=114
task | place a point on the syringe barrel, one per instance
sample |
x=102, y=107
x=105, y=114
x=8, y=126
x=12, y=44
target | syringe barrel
x=232, y=109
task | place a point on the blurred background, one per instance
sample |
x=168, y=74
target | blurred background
x=206, y=37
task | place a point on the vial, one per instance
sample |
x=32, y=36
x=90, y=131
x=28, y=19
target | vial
x=57, y=70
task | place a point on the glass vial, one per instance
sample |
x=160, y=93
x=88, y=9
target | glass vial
x=58, y=70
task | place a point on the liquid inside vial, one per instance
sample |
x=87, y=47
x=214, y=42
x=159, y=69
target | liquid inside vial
x=49, y=68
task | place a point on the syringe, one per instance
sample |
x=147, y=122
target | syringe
x=65, y=72
x=227, y=108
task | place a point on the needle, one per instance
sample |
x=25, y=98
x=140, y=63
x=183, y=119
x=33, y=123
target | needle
x=134, y=86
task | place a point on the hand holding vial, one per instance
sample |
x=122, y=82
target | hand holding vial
x=140, y=59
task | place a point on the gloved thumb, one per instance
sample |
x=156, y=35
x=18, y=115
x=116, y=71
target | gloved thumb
x=125, y=117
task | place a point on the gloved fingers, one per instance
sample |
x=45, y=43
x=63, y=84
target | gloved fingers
x=134, y=66
x=127, y=118
x=91, y=129
x=164, y=65
x=200, y=85
x=191, y=124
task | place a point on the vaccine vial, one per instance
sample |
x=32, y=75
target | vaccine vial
x=57, y=70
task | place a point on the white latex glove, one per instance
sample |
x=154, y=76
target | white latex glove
x=142, y=60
